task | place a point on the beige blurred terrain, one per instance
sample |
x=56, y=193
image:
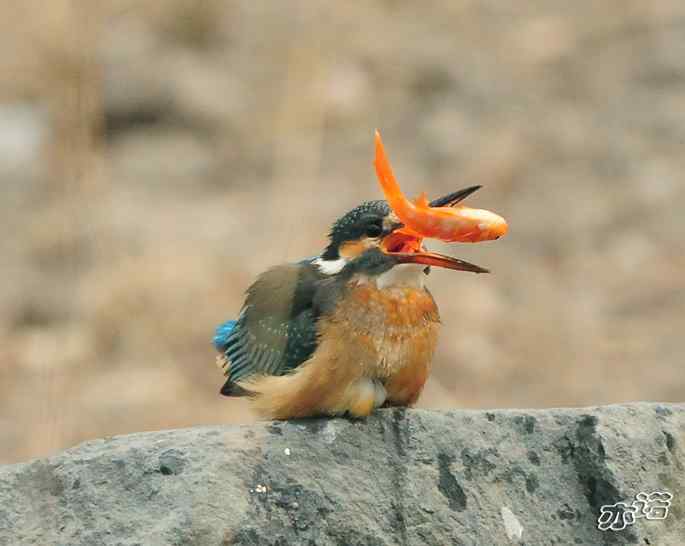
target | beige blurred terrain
x=156, y=156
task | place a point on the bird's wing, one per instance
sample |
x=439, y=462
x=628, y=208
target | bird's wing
x=276, y=330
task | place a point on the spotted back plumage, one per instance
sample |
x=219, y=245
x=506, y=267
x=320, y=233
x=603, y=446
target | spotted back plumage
x=276, y=329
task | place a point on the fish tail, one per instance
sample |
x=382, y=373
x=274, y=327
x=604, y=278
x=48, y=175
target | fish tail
x=393, y=194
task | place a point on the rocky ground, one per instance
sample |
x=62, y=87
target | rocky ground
x=154, y=157
x=467, y=478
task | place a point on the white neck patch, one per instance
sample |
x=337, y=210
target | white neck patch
x=330, y=267
x=411, y=275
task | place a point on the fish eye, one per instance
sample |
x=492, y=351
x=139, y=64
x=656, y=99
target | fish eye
x=374, y=230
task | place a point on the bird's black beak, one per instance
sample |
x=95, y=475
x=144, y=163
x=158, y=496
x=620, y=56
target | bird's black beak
x=454, y=198
x=405, y=246
x=437, y=260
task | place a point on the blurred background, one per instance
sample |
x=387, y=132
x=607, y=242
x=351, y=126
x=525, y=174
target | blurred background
x=156, y=156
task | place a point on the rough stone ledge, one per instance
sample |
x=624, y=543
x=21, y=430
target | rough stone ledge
x=533, y=477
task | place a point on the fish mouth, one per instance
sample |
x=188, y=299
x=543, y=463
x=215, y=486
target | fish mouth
x=406, y=247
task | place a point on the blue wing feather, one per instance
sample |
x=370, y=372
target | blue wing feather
x=277, y=327
x=222, y=334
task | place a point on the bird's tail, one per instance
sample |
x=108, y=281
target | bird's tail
x=222, y=333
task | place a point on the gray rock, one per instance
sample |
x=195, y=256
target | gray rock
x=533, y=477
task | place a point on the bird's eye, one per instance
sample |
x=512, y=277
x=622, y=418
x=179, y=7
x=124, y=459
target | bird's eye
x=373, y=230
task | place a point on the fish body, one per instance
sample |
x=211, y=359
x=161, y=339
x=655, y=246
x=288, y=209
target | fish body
x=457, y=224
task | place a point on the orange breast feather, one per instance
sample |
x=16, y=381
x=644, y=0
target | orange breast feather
x=399, y=328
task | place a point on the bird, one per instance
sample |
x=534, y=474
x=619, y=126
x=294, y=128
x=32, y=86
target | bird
x=344, y=332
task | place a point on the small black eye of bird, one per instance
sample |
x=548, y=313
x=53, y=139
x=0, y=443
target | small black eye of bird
x=374, y=230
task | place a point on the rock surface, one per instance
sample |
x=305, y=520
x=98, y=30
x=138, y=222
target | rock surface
x=533, y=477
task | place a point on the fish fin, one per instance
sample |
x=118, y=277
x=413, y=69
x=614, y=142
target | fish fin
x=422, y=201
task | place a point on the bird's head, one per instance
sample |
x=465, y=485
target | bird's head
x=370, y=240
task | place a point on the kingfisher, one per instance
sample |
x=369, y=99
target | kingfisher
x=344, y=332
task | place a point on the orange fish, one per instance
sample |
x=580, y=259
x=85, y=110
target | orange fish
x=457, y=224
